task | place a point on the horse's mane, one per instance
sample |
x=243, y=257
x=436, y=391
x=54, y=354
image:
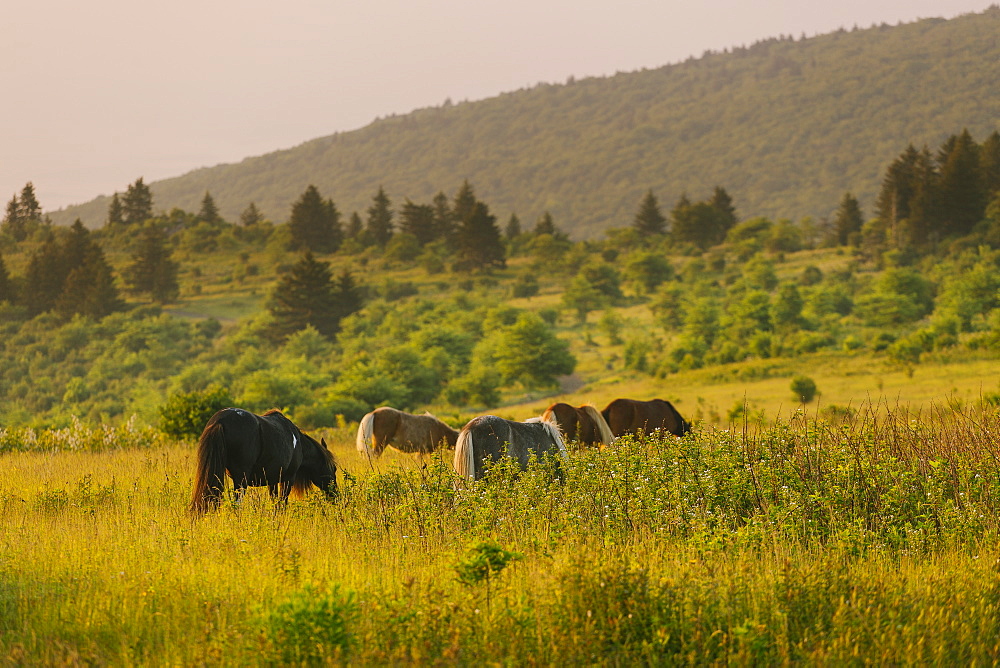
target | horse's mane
x=551, y=426
x=602, y=425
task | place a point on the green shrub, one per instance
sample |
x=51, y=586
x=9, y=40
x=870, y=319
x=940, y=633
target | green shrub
x=804, y=389
x=185, y=414
x=311, y=626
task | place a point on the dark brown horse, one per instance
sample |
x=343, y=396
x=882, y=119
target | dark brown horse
x=257, y=451
x=630, y=415
x=421, y=434
x=583, y=424
x=489, y=437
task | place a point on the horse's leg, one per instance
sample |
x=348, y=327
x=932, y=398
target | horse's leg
x=280, y=491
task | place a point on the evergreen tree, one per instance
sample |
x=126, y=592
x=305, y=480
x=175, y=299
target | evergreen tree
x=152, y=271
x=137, y=203
x=701, y=223
x=379, y=229
x=723, y=203
x=251, y=216
x=6, y=286
x=30, y=209
x=989, y=164
x=444, y=220
x=90, y=289
x=355, y=228
x=315, y=223
x=348, y=296
x=13, y=223
x=464, y=203
x=44, y=278
x=209, y=212
x=848, y=221
x=418, y=220
x=961, y=193
x=545, y=225
x=478, y=243
x=116, y=212
x=513, y=227
x=305, y=295
x=648, y=219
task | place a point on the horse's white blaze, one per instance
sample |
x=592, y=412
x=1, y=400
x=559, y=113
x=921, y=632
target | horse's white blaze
x=364, y=439
x=602, y=425
x=465, y=461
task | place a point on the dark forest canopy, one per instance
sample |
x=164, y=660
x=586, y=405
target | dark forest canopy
x=788, y=125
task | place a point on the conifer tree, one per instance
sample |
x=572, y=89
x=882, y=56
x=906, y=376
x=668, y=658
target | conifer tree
x=251, y=216
x=961, y=195
x=347, y=295
x=89, y=287
x=30, y=209
x=444, y=221
x=418, y=220
x=304, y=296
x=44, y=278
x=723, y=203
x=152, y=271
x=513, y=228
x=989, y=163
x=379, y=228
x=478, y=243
x=315, y=223
x=137, y=203
x=648, y=219
x=355, y=228
x=545, y=225
x=13, y=223
x=209, y=212
x=6, y=286
x=464, y=203
x=848, y=221
x=116, y=212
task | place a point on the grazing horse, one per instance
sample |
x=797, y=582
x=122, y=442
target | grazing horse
x=583, y=424
x=384, y=427
x=256, y=451
x=490, y=437
x=630, y=415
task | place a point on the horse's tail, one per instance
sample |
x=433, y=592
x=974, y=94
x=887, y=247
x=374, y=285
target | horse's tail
x=209, y=476
x=364, y=440
x=603, y=429
x=552, y=427
x=465, y=460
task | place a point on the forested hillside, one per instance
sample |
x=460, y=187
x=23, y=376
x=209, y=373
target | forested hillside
x=786, y=125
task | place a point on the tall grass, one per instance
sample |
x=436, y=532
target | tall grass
x=870, y=540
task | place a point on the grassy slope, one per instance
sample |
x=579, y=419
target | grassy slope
x=786, y=126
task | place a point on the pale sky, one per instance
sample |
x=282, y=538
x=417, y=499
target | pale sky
x=96, y=94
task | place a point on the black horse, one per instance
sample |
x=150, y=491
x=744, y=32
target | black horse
x=256, y=451
x=489, y=437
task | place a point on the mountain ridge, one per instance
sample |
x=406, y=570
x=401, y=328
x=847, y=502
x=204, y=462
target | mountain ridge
x=785, y=125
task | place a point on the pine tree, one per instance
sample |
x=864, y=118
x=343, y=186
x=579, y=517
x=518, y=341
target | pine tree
x=209, y=212
x=989, y=164
x=13, y=223
x=848, y=221
x=444, y=220
x=961, y=193
x=723, y=203
x=355, y=228
x=30, y=208
x=89, y=287
x=478, y=242
x=6, y=286
x=304, y=296
x=315, y=223
x=44, y=278
x=116, y=212
x=137, y=203
x=464, y=203
x=513, y=227
x=648, y=219
x=418, y=220
x=347, y=295
x=152, y=271
x=251, y=216
x=379, y=228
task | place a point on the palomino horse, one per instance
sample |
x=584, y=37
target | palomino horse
x=384, y=427
x=256, y=451
x=490, y=437
x=583, y=424
x=630, y=415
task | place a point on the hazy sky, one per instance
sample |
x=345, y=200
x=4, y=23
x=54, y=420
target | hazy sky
x=96, y=94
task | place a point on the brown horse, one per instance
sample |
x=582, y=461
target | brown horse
x=630, y=415
x=421, y=434
x=583, y=424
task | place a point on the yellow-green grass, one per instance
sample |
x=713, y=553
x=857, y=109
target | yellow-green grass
x=101, y=562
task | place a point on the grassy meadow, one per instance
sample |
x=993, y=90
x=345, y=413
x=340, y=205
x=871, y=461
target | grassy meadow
x=871, y=540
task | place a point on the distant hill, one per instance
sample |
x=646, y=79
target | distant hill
x=785, y=125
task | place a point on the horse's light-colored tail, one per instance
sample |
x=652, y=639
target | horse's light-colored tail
x=364, y=440
x=554, y=431
x=607, y=438
x=465, y=461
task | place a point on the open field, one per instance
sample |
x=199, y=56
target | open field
x=871, y=541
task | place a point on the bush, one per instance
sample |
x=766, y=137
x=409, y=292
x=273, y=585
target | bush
x=185, y=414
x=804, y=389
x=311, y=626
